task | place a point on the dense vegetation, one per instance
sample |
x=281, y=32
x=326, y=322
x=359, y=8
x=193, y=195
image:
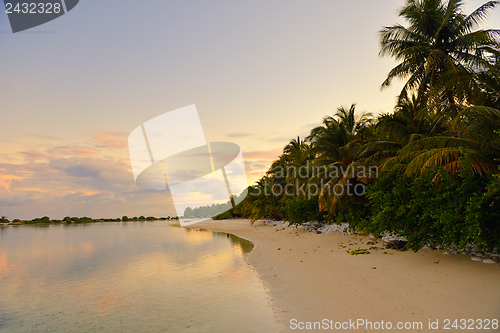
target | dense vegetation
x=429, y=169
x=206, y=211
x=68, y=220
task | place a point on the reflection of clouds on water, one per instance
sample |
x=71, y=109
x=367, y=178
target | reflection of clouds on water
x=106, y=304
x=197, y=236
x=105, y=275
x=5, y=266
x=79, y=289
x=232, y=275
x=89, y=247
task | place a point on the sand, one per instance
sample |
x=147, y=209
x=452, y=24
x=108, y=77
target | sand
x=310, y=278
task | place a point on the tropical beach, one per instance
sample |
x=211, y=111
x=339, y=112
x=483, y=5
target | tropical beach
x=310, y=277
x=248, y=167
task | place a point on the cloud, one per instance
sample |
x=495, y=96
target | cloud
x=271, y=154
x=94, y=178
x=45, y=137
x=87, y=186
x=111, y=140
x=73, y=151
x=36, y=155
x=82, y=171
x=14, y=200
x=5, y=181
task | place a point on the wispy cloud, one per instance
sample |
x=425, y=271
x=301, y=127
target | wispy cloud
x=111, y=140
x=91, y=178
x=271, y=154
x=5, y=181
x=73, y=151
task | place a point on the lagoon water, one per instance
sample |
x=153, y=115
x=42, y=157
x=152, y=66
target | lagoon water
x=128, y=277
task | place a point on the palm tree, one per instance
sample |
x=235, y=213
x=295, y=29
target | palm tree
x=440, y=53
x=285, y=170
x=479, y=144
x=337, y=144
x=489, y=83
x=408, y=123
x=340, y=136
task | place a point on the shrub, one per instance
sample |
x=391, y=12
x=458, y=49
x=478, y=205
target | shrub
x=423, y=210
x=300, y=211
x=223, y=216
x=483, y=215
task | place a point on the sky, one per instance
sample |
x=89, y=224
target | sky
x=259, y=72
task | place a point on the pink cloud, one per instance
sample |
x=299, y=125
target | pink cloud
x=36, y=155
x=108, y=140
x=5, y=181
x=263, y=154
x=74, y=151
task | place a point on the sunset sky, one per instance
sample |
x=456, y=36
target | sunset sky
x=259, y=72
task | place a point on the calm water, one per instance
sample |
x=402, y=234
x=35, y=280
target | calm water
x=128, y=277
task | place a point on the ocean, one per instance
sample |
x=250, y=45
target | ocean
x=128, y=277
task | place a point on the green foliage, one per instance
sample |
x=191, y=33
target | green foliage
x=223, y=216
x=424, y=210
x=299, y=211
x=354, y=209
x=85, y=219
x=206, y=211
x=437, y=151
x=483, y=214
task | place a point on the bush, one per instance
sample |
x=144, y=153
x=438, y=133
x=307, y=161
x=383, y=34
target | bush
x=300, y=211
x=223, y=216
x=423, y=210
x=483, y=215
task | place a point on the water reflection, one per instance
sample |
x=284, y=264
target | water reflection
x=142, y=277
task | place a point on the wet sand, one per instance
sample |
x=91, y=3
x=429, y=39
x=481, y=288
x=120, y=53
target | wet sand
x=310, y=278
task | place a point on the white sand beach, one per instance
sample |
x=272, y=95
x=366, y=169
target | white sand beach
x=310, y=278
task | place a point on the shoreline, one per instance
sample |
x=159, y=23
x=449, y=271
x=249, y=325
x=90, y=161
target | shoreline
x=310, y=277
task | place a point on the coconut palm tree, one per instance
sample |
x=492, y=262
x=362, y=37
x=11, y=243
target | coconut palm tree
x=478, y=143
x=297, y=155
x=337, y=144
x=440, y=52
x=406, y=124
x=340, y=136
x=489, y=84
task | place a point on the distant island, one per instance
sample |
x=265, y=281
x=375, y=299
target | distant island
x=68, y=220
